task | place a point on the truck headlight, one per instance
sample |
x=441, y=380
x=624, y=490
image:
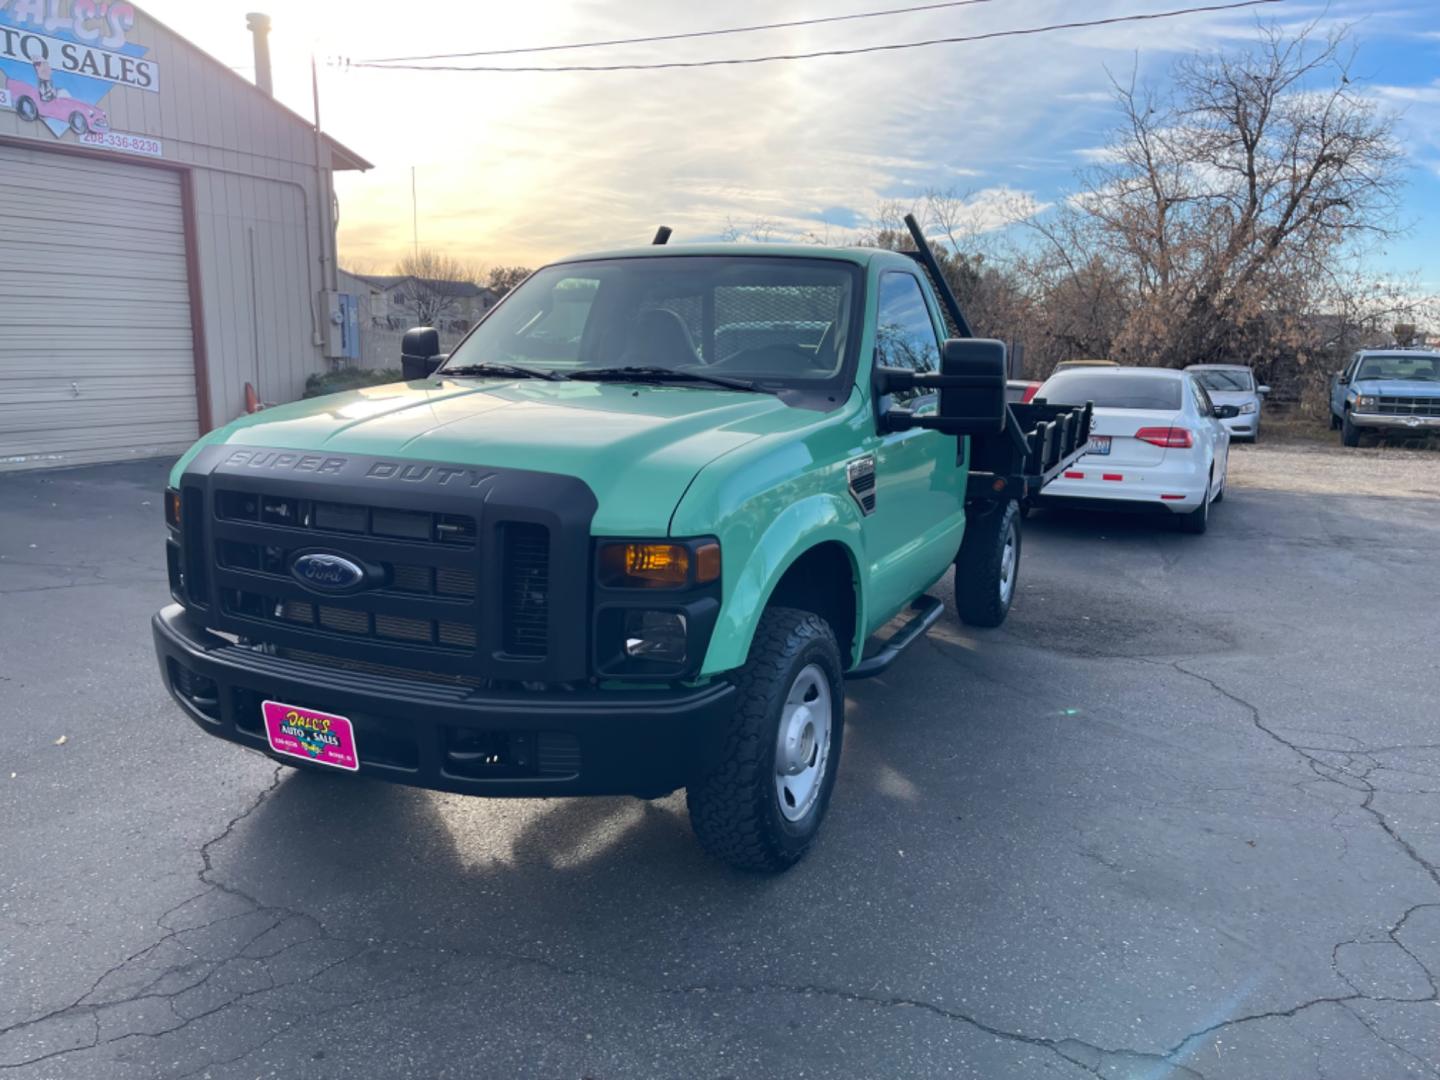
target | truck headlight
x=1247, y=408
x=656, y=603
x=1366, y=401
x=656, y=635
x=644, y=564
x=172, y=508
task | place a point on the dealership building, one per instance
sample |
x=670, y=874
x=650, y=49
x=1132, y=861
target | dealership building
x=167, y=236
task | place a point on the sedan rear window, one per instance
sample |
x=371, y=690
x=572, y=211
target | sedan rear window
x=1112, y=389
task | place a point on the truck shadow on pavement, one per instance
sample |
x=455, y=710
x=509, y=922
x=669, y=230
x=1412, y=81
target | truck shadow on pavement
x=618, y=880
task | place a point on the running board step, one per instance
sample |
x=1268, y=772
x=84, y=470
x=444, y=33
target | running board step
x=927, y=610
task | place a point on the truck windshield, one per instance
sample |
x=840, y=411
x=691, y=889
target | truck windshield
x=1399, y=367
x=1225, y=379
x=1111, y=388
x=762, y=321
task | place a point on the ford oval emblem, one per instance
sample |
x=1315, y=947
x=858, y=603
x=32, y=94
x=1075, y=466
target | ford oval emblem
x=327, y=572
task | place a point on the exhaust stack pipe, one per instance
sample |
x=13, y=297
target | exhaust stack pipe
x=260, y=28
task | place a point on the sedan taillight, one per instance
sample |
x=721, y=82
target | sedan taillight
x=1174, y=438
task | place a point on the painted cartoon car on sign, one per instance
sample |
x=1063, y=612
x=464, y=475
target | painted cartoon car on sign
x=30, y=104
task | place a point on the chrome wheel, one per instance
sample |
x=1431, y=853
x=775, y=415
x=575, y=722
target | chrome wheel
x=1009, y=557
x=802, y=750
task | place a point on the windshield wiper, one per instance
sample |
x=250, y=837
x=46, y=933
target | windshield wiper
x=663, y=374
x=510, y=371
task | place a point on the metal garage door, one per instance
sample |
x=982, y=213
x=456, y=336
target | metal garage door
x=96, y=353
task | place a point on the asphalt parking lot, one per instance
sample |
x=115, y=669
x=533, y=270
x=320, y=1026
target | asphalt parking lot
x=1180, y=817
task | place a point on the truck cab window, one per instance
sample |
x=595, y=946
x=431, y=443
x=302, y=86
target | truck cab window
x=904, y=332
x=551, y=321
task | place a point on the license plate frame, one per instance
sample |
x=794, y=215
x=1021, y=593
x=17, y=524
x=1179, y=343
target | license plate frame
x=1099, y=445
x=319, y=738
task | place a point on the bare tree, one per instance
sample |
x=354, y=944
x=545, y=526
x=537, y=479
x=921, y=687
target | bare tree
x=761, y=230
x=1077, y=310
x=430, y=292
x=966, y=243
x=504, y=278
x=1228, y=202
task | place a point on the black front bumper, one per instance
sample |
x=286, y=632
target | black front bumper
x=453, y=737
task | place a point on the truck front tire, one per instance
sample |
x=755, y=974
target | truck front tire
x=760, y=806
x=1349, y=433
x=988, y=566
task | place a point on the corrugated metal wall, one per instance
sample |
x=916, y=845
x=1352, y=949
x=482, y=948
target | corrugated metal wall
x=257, y=289
x=96, y=346
x=263, y=243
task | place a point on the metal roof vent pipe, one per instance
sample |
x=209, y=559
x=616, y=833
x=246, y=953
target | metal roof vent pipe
x=260, y=28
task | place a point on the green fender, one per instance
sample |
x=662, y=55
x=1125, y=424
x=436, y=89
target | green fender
x=800, y=527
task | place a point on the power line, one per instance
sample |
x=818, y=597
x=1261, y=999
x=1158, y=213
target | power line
x=892, y=47
x=678, y=37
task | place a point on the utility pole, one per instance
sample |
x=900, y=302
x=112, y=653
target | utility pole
x=323, y=196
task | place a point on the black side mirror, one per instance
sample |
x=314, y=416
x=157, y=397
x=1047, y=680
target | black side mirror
x=1342, y=378
x=1226, y=412
x=973, y=396
x=971, y=382
x=420, y=352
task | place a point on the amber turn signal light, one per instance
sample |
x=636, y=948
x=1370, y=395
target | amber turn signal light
x=657, y=566
x=707, y=563
x=647, y=566
x=172, y=509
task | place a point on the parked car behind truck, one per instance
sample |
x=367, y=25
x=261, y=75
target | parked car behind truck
x=632, y=536
x=1158, y=444
x=1386, y=390
x=1234, y=384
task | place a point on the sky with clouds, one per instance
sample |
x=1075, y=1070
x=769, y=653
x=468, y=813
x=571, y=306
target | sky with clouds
x=525, y=167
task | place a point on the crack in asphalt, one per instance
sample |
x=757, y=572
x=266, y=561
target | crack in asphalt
x=80, y=1006
x=1325, y=770
x=1092, y=1058
x=1360, y=783
x=1428, y=1066
x=1078, y=1052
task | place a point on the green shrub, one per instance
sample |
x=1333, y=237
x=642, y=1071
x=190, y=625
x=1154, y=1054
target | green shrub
x=332, y=382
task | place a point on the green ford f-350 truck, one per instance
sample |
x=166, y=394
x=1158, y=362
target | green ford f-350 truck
x=632, y=535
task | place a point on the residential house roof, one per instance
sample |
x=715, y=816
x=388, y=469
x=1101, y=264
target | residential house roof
x=460, y=289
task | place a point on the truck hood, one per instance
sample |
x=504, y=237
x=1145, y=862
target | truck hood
x=1398, y=387
x=637, y=447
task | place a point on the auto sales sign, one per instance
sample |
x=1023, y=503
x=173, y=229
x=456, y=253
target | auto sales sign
x=59, y=59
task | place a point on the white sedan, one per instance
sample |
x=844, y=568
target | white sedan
x=1157, y=443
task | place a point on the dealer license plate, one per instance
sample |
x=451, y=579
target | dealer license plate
x=317, y=737
x=1099, y=444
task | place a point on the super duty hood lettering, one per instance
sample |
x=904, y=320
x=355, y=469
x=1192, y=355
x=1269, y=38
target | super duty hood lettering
x=329, y=465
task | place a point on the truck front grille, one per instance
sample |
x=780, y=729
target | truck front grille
x=459, y=573
x=1410, y=406
x=345, y=519
x=527, y=588
x=427, y=611
x=259, y=607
